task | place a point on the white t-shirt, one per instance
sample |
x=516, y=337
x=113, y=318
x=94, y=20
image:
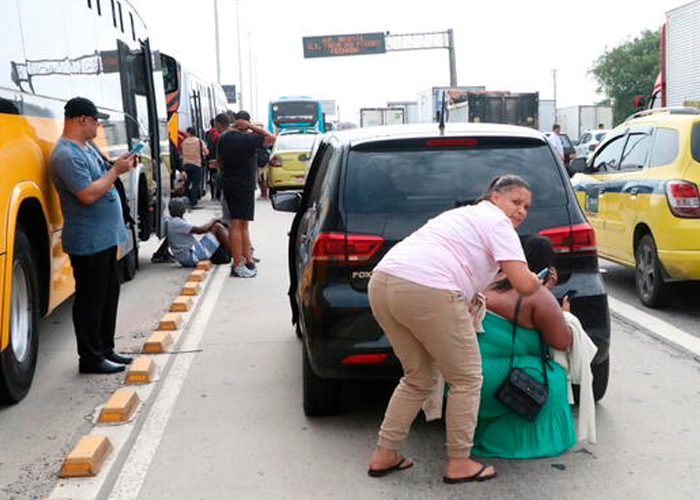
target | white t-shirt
x=556, y=143
x=180, y=239
x=457, y=250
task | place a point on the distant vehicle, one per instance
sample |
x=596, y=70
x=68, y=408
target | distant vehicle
x=569, y=149
x=639, y=190
x=679, y=58
x=372, y=117
x=512, y=108
x=296, y=112
x=369, y=188
x=575, y=120
x=288, y=161
x=588, y=141
x=429, y=102
x=51, y=52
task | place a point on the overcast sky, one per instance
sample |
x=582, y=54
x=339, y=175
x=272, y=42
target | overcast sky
x=501, y=44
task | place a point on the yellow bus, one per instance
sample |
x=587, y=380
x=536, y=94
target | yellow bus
x=51, y=51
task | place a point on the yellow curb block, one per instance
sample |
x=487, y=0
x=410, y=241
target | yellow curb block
x=87, y=457
x=204, y=265
x=56, y=499
x=181, y=304
x=197, y=276
x=120, y=407
x=191, y=288
x=157, y=342
x=170, y=321
x=141, y=371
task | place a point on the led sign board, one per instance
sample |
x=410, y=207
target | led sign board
x=344, y=45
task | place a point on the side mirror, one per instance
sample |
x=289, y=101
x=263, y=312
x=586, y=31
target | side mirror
x=579, y=165
x=287, y=202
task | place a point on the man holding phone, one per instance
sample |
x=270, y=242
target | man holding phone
x=93, y=228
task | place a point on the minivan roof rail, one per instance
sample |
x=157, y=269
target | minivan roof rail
x=678, y=110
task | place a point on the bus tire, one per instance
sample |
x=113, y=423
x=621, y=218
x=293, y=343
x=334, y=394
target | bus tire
x=18, y=360
x=130, y=262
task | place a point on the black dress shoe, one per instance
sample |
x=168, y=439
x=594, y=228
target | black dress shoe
x=103, y=366
x=118, y=358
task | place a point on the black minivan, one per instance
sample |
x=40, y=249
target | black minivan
x=369, y=188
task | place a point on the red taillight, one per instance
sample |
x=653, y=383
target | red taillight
x=683, y=199
x=576, y=239
x=363, y=358
x=275, y=161
x=345, y=248
x=451, y=142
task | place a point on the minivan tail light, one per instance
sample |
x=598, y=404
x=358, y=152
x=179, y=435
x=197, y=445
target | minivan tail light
x=683, y=199
x=345, y=248
x=569, y=240
x=275, y=161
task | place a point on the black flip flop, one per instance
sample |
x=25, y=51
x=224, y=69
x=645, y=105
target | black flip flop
x=470, y=479
x=403, y=464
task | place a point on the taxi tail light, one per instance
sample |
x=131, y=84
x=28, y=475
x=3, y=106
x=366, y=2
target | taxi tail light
x=345, y=249
x=578, y=239
x=275, y=161
x=683, y=199
x=357, y=359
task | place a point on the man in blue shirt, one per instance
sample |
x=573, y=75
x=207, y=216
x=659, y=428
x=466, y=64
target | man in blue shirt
x=93, y=227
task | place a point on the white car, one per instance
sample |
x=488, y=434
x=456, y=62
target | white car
x=588, y=141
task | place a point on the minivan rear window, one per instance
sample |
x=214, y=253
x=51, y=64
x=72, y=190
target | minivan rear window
x=418, y=179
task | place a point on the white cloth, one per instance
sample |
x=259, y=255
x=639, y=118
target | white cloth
x=556, y=143
x=577, y=362
x=432, y=407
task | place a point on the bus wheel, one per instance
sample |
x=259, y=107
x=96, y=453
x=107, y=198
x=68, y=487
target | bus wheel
x=130, y=261
x=18, y=360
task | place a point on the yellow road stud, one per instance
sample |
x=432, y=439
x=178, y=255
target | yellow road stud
x=197, y=276
x=170, y=321
x=157, y=342
x=204, y=265
x=120, y=407
x=181, y=304
x=140, y=371
x=190, y=288
x=87, y=457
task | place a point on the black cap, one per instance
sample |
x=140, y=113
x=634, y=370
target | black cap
x=243, y=115
x=79, y=106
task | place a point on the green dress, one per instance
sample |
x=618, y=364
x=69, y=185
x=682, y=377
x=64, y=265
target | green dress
x=501, y=432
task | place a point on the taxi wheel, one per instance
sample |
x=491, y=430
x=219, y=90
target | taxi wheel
x=651, y=288
x=18, y=360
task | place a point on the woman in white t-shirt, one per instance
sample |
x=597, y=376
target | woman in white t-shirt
x=419, y=294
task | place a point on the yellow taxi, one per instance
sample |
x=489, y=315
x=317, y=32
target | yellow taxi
x=289, y=159
x=639, y=191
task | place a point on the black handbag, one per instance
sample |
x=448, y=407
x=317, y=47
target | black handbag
x=520, y=391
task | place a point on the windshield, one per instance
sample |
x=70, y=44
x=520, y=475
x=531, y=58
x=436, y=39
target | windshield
x=435, y=179
x=295, y=112
x=600, y=135
x=300, y=142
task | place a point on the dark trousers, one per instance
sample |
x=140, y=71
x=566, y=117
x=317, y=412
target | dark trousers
x=95, y=303
x=194, y=183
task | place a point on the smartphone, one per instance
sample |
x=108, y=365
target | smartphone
x=137, y=148
x=543, y=274
x=570, y=293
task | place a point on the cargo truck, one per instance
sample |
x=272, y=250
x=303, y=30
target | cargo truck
x=514, y=108
x=372, y=117
x=430, y=101
x=574, y=120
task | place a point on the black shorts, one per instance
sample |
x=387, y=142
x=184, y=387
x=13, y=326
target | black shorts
x=241, y=203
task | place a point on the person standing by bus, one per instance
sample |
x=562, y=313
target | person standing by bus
x=237, y=157
x=194, y=151
x=93, y=227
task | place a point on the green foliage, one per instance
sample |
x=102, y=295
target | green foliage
x=627, y=70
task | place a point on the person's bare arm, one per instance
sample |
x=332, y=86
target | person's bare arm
x=205, y=228
x=268, y=138
x=523, y=280
x=548, y=318
x=97, y=188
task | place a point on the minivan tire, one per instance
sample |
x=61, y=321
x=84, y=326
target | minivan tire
x=321, y=396
x=652, y=290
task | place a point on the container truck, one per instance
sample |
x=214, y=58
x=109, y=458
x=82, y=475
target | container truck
x=515, y=108
x=410, y=110
x=372, y=117
x=430, y=101
x=574, y=120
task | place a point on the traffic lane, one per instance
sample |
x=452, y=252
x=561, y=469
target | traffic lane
x=683, y=311
x=239, y=423
x=37, y=433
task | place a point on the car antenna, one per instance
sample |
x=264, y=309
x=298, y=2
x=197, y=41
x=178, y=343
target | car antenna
x=443, y=113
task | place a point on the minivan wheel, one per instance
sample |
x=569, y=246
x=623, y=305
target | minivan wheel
x=18, y=360
x=321, y=396
x=651, y=288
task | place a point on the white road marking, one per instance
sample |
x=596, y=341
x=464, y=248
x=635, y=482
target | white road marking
x=656, y=326
x=145, y=440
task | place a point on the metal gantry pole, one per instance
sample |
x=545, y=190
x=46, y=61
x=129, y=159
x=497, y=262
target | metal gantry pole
x=453, y=62
x=216, y=38
x=240, y=62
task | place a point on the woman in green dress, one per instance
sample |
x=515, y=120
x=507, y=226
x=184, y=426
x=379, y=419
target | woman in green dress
x=500, y=431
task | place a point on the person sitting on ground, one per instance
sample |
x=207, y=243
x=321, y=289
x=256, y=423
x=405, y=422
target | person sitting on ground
x=186, y=249
x=500, y=431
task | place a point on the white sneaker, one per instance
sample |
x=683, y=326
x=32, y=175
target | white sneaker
x=241, y=271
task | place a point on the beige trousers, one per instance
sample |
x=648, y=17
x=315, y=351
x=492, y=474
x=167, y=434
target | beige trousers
x=430, y=330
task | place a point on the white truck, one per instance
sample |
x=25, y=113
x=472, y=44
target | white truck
x=678, y=83
x=430, y=101
x=574, y=120
x=372, y=117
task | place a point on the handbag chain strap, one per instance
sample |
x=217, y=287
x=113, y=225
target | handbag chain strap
x=512, y=348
